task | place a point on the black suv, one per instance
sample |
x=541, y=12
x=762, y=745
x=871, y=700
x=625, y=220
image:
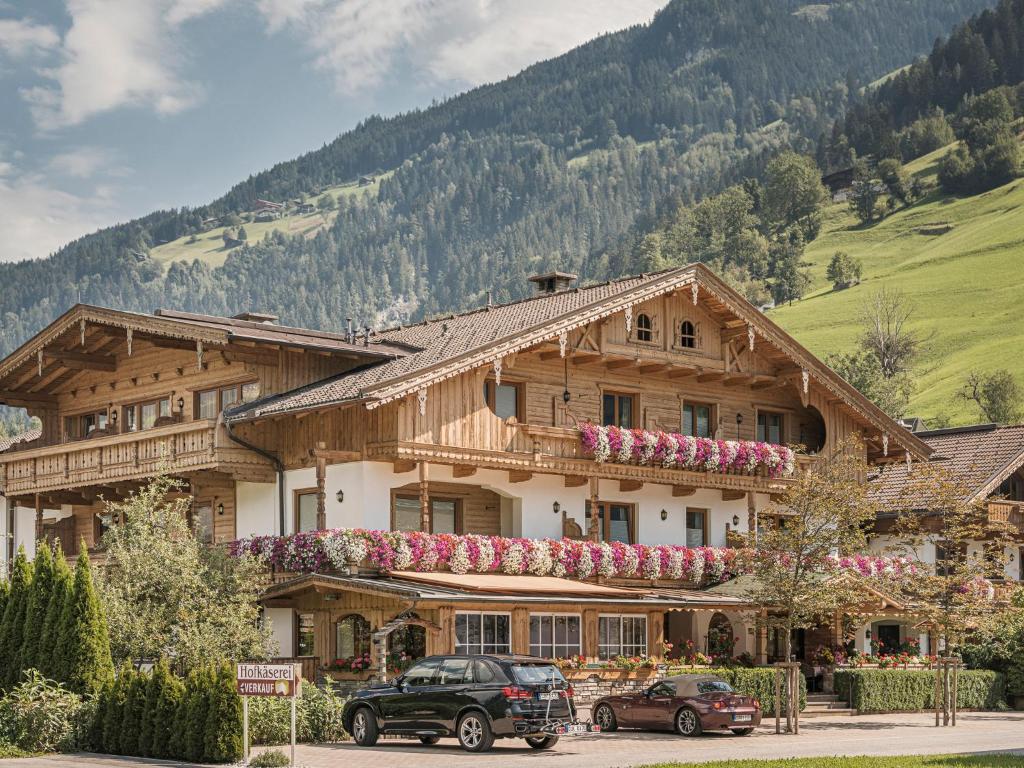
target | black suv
x=474, y=698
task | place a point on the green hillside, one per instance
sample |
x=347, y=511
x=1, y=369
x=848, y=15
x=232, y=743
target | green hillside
x=961, y=262
x=209, y=246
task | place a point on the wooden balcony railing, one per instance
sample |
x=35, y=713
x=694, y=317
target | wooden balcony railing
x=176, y=447
x=1010, y=513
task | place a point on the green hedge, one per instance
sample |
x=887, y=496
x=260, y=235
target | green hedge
x=758, y=682
x=903, y=690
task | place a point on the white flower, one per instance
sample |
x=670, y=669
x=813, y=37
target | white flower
x=676, y=560
x=625, y=455
x=486, y=556
x=459, y=561
x=670, y=451
x=606, y=567
x=713, y=461
x=403, y=555
x=538, y=559
x=652, y=563
x=696, y=571
x=631, y=562
x=585, y=564
x=512, y=559
x=604, y=449
x=650, y=442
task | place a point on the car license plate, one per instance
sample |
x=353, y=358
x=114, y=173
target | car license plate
x=549, y=695
x=741, y=718
x=574, y=729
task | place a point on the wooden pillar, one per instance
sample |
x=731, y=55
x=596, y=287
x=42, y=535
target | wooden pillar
x=39, y=517
x=424, y=497
x=762, y=641
x=521, y=630
x=590, y=633
x=321, y=490
x=751, y=512
x=593, y=530
x=443, y=642
x=656, y=634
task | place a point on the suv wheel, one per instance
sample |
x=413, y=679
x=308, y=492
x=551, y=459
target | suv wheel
x=475, y=733
x=542, y=742
x=364, y=727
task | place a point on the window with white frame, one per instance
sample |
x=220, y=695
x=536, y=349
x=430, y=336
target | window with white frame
x=479, y=632
x=554, y=636
x=622, y=635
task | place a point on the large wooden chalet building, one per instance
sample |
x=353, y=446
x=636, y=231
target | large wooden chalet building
x=462, y=424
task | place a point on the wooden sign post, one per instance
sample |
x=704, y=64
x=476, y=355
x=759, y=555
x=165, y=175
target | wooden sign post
x=276, y=680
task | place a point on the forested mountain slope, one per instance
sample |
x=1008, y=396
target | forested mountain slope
x=550, y=167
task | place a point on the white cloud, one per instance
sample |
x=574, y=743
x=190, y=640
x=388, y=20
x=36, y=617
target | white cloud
x=82, y=162
x=38, y=217
x=466, y=41
x=21, y=37
x=118, y=53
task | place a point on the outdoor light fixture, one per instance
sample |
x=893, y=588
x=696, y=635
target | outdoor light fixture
x=340, y=496
x=220, y=509
x=739, y=418
x=556, y=507
x=664, y=514
x=735, y=521
x=181, y=405
x=113, y=416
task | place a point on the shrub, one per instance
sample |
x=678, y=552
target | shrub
x=224, y=721
x=317, y=718
x=758, y=682
x=197, y=708
x=39, y=715
x=903, y=690
x=113, y=711
x=49, y=642
x=84, y=644
x=133, y=714
x=35, y=610
x=165, y=723
x=12, y=625
x=272, y=758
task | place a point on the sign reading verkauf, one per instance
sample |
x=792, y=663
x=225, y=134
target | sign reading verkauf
x=266, y=680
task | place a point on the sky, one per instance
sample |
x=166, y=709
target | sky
x=110, y=109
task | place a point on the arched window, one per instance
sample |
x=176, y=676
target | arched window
x=687, y=335
x=644, y=327
x=410, y=641
x=353, y=635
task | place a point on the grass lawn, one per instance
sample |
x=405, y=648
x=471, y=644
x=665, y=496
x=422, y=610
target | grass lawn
x=913, y=761
x=6, y=750
x=961, y=263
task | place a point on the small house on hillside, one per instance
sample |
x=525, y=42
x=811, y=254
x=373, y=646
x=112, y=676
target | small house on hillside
x=365, y=181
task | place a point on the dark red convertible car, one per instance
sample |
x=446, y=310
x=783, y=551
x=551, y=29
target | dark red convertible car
x=687, y=704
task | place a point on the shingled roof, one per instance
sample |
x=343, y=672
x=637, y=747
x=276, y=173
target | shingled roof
x=978, y=457
x=6, y=443
x=452, y=345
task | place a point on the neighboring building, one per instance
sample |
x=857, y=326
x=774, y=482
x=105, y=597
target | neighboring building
x=467, y=424
x=913, y=423
x=987, y=459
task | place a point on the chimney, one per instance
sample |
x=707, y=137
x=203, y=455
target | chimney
x=350, y=335
x=256, y=317
x=552, y=282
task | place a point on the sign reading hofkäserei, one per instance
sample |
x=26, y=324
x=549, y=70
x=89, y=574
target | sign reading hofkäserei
x=266, y=679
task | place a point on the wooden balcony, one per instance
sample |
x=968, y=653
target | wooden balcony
x=1007, y=513
x=109, y=459
x=558, y=450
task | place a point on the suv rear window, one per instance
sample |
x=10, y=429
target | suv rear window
x=537, y=674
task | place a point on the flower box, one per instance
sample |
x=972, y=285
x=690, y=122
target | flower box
x=609, y=673
x=340, y=675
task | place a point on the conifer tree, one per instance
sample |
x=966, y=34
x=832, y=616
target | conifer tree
x=154, y=689
x=169, y=720
x=95, y=735
x=196, y=716
x=35, y=612
x=4, y=591
x=114, y=713
x=48, y=658
x=133, y=713
x=13, y=624
x=84, y=643
x=175, y=747
x=224, y=721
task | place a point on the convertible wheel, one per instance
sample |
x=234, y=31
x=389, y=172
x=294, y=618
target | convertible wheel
x=688, y=723
x=605, y=718
x=743, y=731
x=542, y=742
x=364, y=727
x=429, y=739
x=475, y=733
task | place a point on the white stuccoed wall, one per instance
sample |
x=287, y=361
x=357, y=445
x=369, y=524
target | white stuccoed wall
x=282, y=629
x=526, y=508
x=926, y=552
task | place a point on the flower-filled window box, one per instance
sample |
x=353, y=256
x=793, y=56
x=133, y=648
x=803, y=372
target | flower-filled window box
x=697, y=454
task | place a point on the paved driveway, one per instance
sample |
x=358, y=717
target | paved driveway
x=866, y=735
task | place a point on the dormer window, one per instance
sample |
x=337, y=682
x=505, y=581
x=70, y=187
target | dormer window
x=687, y=335
x=644, y=327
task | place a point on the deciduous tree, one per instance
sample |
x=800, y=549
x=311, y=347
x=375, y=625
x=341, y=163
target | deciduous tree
x=996, y=395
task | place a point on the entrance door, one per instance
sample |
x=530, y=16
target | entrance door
x=888, y=638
